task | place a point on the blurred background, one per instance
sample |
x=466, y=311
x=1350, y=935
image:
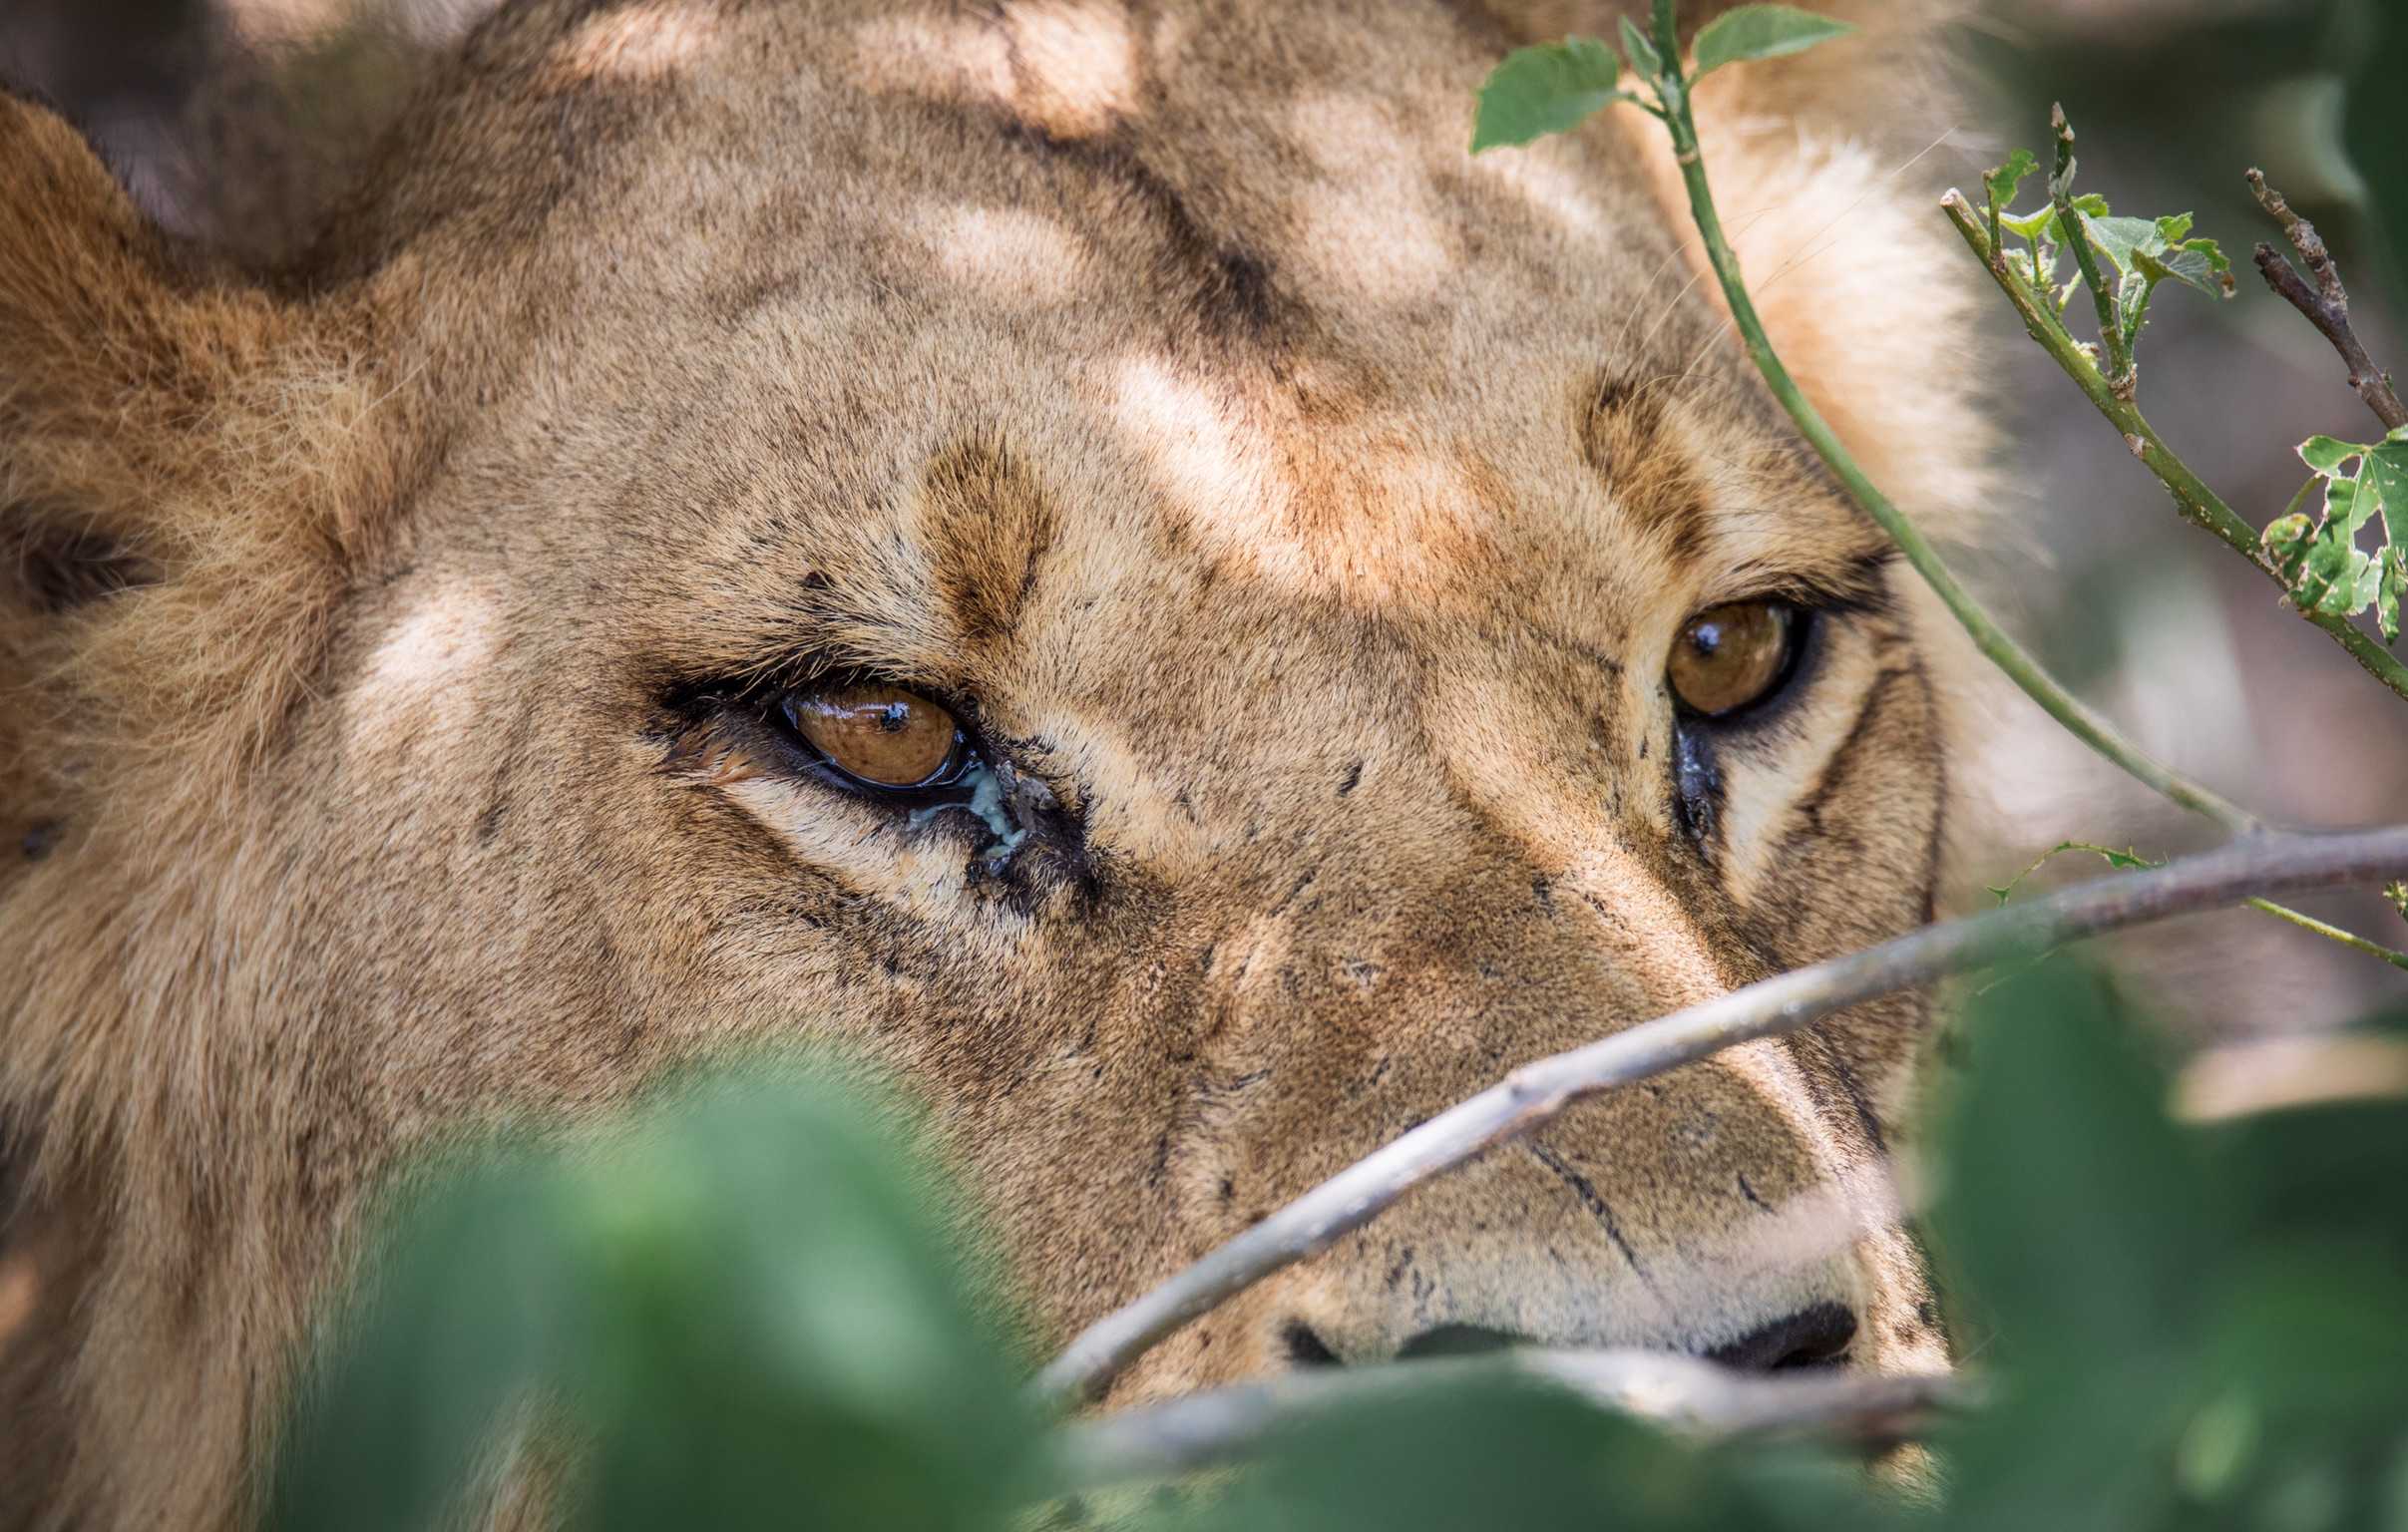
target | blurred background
x=2156, y=623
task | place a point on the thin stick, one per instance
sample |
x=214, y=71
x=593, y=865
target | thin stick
x=2197, y=504
x=2348, y=938
x=2327, y=305
x=1683, y=1393
x=1536, y=1092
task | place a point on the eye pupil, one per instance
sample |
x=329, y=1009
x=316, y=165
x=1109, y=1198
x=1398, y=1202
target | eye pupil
x=881, y=735
x=1732, y=656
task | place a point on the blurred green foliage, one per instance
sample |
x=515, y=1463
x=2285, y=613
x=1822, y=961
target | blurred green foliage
x=753, y=1307
x=753, y=1310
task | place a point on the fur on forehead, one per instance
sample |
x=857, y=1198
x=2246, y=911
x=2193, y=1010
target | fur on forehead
x=1340, y=350
x=1277, y=318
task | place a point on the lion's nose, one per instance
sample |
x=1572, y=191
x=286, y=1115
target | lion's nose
x=1815, y=1337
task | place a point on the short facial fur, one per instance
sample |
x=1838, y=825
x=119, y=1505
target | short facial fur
x=1307, y=508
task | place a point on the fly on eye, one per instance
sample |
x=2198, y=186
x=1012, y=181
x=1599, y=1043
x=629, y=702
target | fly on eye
x=1732, y=657
x=880, y=736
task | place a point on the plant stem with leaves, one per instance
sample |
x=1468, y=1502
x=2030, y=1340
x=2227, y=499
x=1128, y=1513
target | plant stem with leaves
x=2197, y=504
x=2076, y=716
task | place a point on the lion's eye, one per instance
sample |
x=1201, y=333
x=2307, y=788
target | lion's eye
x=881, y=735
x=1730, y=657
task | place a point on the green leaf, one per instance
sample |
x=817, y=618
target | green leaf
x=2081, y=1222
x=2386, y=470
x=2326, y=454
x=2326, y=568
x=2351, y=589
x=2117, y=239
x=2286, y=542
x=1495, y=1451
x=1552, y=88
x=2029, y=225
x=2388, y=591
x=2002, y=182
x=2041, y=223
x=2349, y=502
x=1645, y=62
x=749, y=1302
x=2198, y=263
x=2154, y=250
x=2367, y=581
x=1762, y=32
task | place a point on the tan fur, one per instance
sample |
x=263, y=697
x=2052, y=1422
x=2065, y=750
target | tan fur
x=1307, y=507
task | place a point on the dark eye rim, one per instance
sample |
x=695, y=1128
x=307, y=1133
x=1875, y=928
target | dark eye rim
x=752, y=712
x=1803, y=634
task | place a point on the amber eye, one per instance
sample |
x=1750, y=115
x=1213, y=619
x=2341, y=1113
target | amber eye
x=1730, y=657
x=886, y=736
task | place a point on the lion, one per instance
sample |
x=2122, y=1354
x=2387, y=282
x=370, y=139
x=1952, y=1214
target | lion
x=1090, y=552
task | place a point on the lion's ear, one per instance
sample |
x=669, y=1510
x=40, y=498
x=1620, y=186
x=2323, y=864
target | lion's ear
x=170, y=438
x=89, y=328
x=1827, y=169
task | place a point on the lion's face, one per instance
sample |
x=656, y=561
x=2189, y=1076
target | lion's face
x=1278, y=535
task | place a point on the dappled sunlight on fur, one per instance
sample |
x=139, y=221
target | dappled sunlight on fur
x=1300, y=509
x=645, y=42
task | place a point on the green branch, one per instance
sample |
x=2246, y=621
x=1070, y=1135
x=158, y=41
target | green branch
x=2197, y=504
x=2123, y=379
x=2000, y=649
x=2348, y=938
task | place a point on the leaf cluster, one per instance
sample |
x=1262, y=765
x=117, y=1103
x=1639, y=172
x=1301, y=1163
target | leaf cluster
x=2320, y=560
x=2141, y=254
x=1555, y=87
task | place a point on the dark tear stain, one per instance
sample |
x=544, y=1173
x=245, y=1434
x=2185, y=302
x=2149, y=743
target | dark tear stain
x=1696, y=787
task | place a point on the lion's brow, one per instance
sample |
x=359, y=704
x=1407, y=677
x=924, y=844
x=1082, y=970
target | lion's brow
x=986, y=524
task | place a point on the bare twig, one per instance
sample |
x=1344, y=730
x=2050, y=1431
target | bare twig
x=1683, y=1393
x=2325, y=305
x=2252, y=866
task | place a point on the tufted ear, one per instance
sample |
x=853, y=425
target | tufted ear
x=169, y=442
